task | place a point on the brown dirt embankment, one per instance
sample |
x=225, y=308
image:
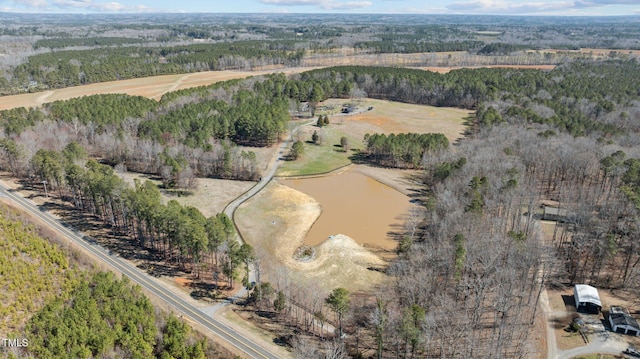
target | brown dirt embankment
x=275, y=223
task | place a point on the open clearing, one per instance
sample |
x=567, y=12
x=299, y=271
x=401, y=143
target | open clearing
x=211, y=196
x=320, y=158
x=152, y=87
x=384, y=117
x=561, y=310
x=433, y=61
x=396, y=117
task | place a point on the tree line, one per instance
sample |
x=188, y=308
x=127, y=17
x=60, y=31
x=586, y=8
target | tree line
x=78, y=67
x=62, y=42
x=403, y=150
x=408, y=47
x=179, y=235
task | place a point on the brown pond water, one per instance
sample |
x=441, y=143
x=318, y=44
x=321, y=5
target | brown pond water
x=354, y=205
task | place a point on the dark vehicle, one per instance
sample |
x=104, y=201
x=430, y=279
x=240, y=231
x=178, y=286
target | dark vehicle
x=632, y=352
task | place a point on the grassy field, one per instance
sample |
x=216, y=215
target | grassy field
x=152, y=87
x=320, y=158
x=384, y=117
x=211, y=196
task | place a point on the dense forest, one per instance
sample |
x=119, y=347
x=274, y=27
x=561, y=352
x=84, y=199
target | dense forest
x=63, y=307
x=106, y=316
x=398, y=46
x=44, y=274
x=77, y=67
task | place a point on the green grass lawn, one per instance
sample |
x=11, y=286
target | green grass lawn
x=322, y=158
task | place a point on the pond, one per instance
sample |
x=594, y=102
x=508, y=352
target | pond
x=354, y=205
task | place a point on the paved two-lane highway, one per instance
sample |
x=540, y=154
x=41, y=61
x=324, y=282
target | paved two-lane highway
x=237, y=340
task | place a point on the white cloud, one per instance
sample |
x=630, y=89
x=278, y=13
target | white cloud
x=533, y=7
x=111, y=6
x=75, y=6
x=33, y=3
x=89, y=5
x=608, y=2
x=98, y=6
x=322, y=4
x=294, y=2
x=349, y=5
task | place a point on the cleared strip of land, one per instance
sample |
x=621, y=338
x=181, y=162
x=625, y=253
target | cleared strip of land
x=152, y=87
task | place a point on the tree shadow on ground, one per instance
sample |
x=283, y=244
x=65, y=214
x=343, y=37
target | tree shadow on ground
x=418, y=191
x=361, y=158
x=562, y=322
x=115, y=242
x=158, y=269
x=284, y=340
x=202, y=289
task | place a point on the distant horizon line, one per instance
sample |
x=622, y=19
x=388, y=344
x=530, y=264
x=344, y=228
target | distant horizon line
x=309, y=13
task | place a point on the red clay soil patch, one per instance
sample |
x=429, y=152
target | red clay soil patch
x=183, y=282
x=396, y=117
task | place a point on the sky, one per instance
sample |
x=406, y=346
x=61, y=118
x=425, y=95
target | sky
x=473, y=7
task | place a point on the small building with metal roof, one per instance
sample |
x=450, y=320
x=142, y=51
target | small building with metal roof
x=622, y=322
x=587, y=298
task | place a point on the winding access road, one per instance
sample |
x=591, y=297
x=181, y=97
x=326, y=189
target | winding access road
x=230, y=209
x=235, y=339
